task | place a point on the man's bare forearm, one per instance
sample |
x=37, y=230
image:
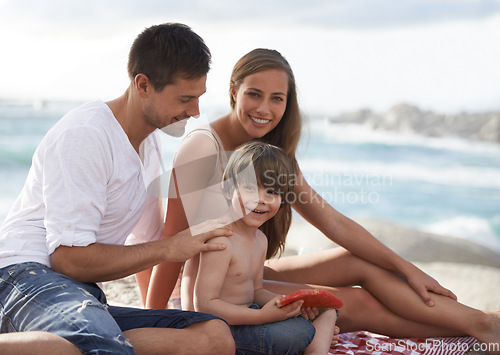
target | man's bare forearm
x=103, y=262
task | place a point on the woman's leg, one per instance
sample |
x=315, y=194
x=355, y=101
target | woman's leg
x=447, y=317
x=362, y=311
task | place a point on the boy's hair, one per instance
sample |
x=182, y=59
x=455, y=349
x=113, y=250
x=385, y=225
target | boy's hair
x=286, y=134
x=273, y=169
x=168, y=51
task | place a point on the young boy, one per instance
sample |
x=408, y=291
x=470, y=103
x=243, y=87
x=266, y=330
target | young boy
x=256, y=182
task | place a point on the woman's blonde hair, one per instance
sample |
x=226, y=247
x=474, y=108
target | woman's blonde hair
x=273, y=170
x=286, y=134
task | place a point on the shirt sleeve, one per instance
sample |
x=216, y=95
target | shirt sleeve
x=76, y=169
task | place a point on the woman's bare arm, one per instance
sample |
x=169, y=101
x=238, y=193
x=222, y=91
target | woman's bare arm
x=193, y=164
x=357, y=240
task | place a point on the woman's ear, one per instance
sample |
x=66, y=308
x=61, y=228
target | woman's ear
x=233, y=90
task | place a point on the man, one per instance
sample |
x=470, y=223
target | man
x=86, y=191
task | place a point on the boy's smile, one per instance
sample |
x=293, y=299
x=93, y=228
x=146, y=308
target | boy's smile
x=254, y=204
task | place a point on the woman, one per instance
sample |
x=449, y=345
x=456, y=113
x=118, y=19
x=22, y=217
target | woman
x=395, y=298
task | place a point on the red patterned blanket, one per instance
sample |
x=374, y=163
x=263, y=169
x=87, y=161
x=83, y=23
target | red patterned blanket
x=374, y=344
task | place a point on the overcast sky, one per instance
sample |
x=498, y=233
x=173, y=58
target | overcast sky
x=437, y=54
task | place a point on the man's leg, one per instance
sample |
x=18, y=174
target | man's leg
x=156, y=331
x=35, y=298
x=208, y=337
x=41, y=343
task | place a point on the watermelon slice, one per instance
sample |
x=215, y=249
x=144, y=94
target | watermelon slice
x=312, y=298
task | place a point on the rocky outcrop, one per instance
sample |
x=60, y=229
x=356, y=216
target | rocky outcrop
x=410, y=119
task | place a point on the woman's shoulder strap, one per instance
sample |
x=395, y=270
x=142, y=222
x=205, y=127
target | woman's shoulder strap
x=207, y=131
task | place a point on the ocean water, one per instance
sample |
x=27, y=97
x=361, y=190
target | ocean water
x=442, y=185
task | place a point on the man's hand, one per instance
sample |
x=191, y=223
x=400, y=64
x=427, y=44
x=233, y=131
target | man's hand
x=190, y=242
x=104, y=262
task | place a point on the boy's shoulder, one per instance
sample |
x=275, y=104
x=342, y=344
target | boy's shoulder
x=261, y=237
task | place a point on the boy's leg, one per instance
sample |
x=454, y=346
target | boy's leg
x=290, y=336
x=325, y=329
x=35, y=298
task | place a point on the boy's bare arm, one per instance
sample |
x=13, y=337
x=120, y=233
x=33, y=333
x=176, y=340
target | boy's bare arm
x=212, y=273
x=261, y=295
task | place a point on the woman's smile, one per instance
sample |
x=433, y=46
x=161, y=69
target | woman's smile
x=260, y=121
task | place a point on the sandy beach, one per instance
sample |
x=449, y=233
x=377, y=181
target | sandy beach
x=471, y=271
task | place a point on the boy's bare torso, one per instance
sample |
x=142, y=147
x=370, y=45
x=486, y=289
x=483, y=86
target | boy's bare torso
x=245, y=267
